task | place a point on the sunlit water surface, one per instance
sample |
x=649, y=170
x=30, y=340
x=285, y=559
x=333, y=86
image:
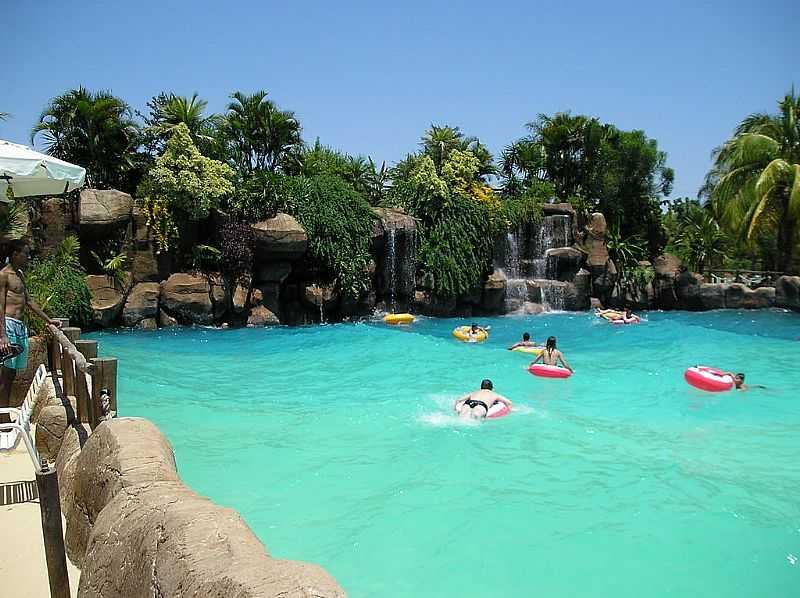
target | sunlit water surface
x=338, y=446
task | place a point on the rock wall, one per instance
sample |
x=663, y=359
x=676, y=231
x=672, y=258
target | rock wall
x=136, y=530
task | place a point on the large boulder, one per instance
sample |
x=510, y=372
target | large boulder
x=107, y=299
x=494, y=292
x=564, y=262
x=52, y=223
x=142, y=255
x=429, y=304
x=396, y=267
x=273, y=271
x=558, y=209
x=142, y=303
x=281, y=238
x=51, y=426
x=164, y=540
x=760, y=298
x=707, y=296
x=667, y=266
x=787, y=292
x=188, y=298
x=103, y=212
x=75, y=437
x=260, y=316
x=119, y=454
x=685, y=288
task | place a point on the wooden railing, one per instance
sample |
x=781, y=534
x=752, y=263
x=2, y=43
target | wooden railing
x=75, y=367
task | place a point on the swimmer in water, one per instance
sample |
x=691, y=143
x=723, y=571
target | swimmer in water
x=525, y=342
x=551, y=355
x=476, y=404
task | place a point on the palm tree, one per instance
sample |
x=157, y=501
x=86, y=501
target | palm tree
x=754, y=184
x=94, y=130
x=262, y=136
x=4, y=115
x=439, y=141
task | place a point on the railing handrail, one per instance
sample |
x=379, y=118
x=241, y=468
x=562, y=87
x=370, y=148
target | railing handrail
x=742, y=271
x=80, y=361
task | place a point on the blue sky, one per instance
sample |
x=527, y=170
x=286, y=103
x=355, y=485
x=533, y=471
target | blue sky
x=369, y=77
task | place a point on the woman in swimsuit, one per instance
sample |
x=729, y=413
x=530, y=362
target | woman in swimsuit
x=551, y=355
x=476, y=404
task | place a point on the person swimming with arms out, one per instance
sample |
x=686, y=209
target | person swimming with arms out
x=551, y=355
x=476, y=404
x=474, y=332
x=525, y=342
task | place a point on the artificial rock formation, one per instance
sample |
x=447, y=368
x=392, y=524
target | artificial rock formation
x=107, y=300
x=120, y=453
x=102, y=212
x=787, y=292
x=161, y=539
x=142, y=304
x=51, y=426
x=281, y=238
x=188, y=298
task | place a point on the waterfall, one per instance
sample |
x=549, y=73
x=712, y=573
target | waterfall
x=512, y=268
x=409, y=262
x=391, y=256
x=516, y=286
x=552, y=294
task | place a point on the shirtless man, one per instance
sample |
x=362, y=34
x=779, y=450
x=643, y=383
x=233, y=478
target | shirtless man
x=551, y=355
x=476, y=404
x=13, y=333
x=525, y=342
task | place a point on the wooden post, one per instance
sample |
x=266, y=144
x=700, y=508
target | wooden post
x=67, y=365
x=83, y=394
x=104, y=377
x=50, y=506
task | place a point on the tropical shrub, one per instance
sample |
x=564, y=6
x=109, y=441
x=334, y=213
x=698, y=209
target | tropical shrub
x=58, y=284
x=338, y=221
x=263, y=194
x=113, y=267
x=182, y=183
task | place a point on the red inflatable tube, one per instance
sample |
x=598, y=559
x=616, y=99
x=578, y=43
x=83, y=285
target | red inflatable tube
x=549, y=371
x=498, y=410
x=708, y=379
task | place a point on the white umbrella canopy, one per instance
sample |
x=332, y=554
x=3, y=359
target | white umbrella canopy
x=32, y=173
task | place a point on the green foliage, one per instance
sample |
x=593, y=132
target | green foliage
x=12, y=220
x=593, y=166
x=182, y=182
x=627, y=252
x=236, y=254
x=206, y=257
x=168, y=110
x=526, y=207
x=339, y=223
x=458, y=218
x=261, y=136
x=360, y=172
x=641, y=276
x=113, y=267
x=263, y=194
x=754, y=185
x=695, y=236
x=58, y=284
x=94, y=130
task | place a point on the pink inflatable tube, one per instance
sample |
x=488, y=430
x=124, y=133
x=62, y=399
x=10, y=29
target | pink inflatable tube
x=549, y=371
x=708, y=379
x=497, y=410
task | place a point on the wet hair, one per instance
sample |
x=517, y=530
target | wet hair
x=526, y=337
x=474, y=325
x=487, y=384
x=740, y=375
x=551, y=343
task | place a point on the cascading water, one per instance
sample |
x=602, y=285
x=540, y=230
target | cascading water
x=391, y=257
x=516, y=286
x=552, y=294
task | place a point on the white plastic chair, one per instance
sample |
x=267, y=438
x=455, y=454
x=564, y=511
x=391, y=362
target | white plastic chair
x=10, y=437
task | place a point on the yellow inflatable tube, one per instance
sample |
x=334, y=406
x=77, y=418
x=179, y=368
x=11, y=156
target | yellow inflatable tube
x=529, y=350
x=462, y=334
x=609, y=314
x=399, y=319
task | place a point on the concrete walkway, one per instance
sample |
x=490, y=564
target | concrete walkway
x=23, y=572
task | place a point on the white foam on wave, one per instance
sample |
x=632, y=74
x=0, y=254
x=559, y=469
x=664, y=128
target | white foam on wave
x=443, y=420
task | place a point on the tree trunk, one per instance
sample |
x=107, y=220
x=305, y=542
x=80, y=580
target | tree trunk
x=785, y=240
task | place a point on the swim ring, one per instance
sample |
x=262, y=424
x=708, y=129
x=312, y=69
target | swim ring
x=399, y=319
x=462, y=334
x=549, y=371
x=631, y=320
x=708, y=379
x=498, y=410
x=529, y=350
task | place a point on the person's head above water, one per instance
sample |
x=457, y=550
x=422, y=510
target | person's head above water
x=487, y=384
x=627, y=312
x=526, y=336
x=551, y=342
x=738, y=379
x=474, y=327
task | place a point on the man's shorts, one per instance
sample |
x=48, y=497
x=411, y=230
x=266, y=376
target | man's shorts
x=17, y=335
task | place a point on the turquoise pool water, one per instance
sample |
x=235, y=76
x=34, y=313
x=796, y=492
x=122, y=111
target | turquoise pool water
x=337, y=445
